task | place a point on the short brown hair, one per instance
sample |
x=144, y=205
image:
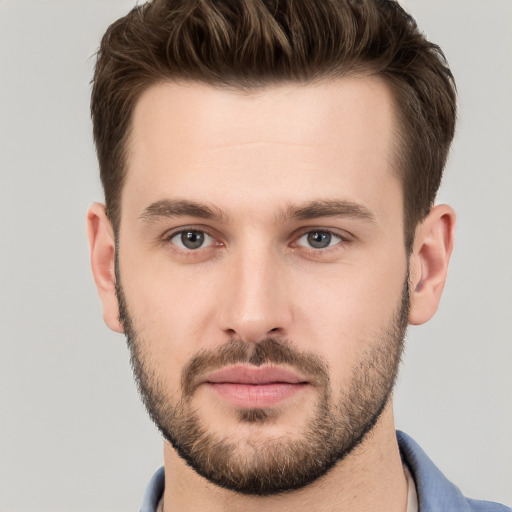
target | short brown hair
x=253, y=43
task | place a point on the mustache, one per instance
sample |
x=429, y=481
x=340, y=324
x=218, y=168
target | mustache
x=269, y=351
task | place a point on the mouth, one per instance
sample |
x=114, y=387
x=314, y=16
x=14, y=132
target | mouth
x=255, y=387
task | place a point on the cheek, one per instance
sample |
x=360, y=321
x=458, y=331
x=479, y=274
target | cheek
x=172, y=311
x=346, y=310
x=158, y=290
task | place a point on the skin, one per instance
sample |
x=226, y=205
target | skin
x=252, y=156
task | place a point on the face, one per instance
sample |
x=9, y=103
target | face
x=262, y=275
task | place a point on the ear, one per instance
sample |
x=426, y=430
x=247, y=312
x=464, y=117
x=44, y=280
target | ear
x=103, y=250
x=429, y=260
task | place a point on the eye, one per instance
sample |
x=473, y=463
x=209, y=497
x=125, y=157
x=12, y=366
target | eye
x=191, y=239
x=319, y=239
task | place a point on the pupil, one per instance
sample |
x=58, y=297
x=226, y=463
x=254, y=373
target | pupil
x=192, y=239
x=319, y=239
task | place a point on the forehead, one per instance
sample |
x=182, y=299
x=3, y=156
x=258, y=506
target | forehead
x=287, y=142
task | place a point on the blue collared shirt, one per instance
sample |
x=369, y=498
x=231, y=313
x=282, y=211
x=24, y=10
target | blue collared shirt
x=435, y=492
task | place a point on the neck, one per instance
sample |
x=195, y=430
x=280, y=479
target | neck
x=371, y=478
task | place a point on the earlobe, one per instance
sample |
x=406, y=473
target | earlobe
x=429, y=260
x=102, y=247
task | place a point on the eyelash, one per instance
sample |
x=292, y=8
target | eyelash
x=169, y=236
x=344, y=239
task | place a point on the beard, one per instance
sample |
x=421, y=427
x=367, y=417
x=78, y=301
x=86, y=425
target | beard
x=270, y=466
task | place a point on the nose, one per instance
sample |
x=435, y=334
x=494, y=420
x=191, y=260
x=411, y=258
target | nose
x=254, y=302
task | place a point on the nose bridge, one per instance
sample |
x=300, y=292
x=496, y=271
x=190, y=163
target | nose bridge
x=255, y=304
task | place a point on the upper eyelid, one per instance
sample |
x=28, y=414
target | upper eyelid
x=330, y=231
x=341, y=233
x=170, y=233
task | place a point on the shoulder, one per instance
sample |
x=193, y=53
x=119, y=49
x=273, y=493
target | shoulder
x=154, y=492
x=435, y=492
x=486, y=506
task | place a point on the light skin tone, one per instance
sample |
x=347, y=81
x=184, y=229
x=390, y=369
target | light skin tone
x=257, y=172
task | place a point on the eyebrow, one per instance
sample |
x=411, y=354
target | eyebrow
x=328, y=208
x=168, y=208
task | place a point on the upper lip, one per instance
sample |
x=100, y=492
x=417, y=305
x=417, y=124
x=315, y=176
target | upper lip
x=242, y=374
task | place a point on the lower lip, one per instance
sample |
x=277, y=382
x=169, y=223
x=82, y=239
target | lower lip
x=256, y=395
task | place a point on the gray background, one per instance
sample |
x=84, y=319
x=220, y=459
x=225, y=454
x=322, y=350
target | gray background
x=73, y=435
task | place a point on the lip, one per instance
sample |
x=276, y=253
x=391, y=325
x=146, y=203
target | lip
x=242, y=374
x=255, y=387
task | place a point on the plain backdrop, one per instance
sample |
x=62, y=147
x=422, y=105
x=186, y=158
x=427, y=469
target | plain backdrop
x=73, y=434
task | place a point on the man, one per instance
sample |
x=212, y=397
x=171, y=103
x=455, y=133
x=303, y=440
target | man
x=270, y=169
